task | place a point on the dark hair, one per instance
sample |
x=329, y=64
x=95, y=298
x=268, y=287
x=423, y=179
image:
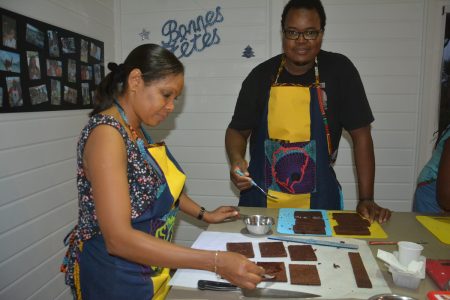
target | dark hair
x=444, y=126
x=154, y=61
x=306, y=4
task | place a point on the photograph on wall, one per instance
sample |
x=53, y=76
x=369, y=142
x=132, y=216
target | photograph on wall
x=85, y=93
x=9, y=61
x=34, y=68
x=68, y=45
x=35, y=36
x=96, y=52
x=9, y=32
x=70, y=95
x=14, y=91
x=44, y=67
x=53, y=47
x=97, y=73
x=38, y=94
x=71, y=70
x=54, y=68
x=86, y=72
x=84, y=49
x=55, y=92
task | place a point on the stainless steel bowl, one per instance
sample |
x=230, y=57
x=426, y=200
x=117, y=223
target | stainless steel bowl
x=258, y=224
x=390, y=297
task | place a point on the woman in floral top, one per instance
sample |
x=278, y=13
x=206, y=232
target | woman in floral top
x=130, y=190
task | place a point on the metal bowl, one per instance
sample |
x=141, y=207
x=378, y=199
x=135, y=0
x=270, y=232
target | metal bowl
x=390, y=297
x=258, y=224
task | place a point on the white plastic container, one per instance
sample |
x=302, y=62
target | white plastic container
x=406, y=279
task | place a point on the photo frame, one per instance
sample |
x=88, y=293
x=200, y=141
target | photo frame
x=44, y=67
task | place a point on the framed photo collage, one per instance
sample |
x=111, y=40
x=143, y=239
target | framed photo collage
x=44, y=67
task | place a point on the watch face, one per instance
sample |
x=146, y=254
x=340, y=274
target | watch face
x=201, y=213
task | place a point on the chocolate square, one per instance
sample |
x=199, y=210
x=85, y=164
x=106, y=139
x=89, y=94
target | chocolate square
x=272, y=249
x=245, y=249
x=304, y=274
x=302, y=253
x=276, y=269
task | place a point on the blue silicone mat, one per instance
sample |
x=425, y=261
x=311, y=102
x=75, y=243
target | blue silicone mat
x=286, y=221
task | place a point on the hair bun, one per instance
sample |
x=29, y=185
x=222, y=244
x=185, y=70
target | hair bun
x=112, y=66
x=118, y=71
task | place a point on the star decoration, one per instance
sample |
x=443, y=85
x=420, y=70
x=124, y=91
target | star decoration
x=144, y=34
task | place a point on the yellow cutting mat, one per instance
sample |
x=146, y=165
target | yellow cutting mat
x=439, y=226
x=376, y=231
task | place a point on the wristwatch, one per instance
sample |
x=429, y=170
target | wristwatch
x=201, y=213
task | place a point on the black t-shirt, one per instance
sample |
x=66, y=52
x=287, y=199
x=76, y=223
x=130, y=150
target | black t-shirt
x=347, y=102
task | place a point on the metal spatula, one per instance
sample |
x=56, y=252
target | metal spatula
x=239, y=172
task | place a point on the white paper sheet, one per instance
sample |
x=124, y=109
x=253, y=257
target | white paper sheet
x=333, y=264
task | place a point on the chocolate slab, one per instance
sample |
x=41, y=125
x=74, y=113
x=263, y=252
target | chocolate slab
x=302, y=253
x=350, y=219
x=304, y=274
x=276, y=269
x=351, y=230
x=309, y=226
x=245, y=249
x=361, y=276
x=272, y=249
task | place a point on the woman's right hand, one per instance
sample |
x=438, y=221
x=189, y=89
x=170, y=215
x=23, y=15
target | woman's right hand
x=241, y=182
x=238, y=270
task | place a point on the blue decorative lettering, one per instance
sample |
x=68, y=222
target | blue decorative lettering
x=197, y=35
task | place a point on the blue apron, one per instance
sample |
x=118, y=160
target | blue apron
x=292, y=155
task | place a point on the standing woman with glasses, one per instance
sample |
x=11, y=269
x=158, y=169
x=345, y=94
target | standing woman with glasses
x=130, y=190
x=293, y=108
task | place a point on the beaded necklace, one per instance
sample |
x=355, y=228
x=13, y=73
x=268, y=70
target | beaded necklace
x=140, y=142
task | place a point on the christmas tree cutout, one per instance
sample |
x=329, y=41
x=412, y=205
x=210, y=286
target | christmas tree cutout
x=248, y=52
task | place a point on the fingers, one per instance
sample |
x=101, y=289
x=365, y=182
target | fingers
x=241, y=166
x=228, y=209
x=221, y=213
x=371, y=211
x=230, y=214
x=362, y=210
x=241, y=182
x=367, y=209
x=384, y=215
x=240, y=271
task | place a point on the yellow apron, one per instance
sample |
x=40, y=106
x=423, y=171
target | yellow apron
x=289, y=121
x=175, y=181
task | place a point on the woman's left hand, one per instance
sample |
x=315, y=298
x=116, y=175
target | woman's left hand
x=220, y=214
x=373, y=212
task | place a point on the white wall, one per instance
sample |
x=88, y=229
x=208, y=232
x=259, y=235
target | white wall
x=38, y=196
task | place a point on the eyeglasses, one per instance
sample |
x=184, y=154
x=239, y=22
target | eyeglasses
x=307, y=34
